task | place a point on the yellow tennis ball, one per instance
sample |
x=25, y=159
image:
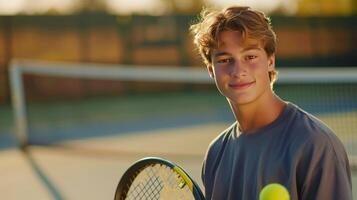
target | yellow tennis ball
x=274, y=191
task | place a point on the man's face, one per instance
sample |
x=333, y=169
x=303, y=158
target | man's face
x=241, y=68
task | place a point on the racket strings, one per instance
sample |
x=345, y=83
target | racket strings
x=147, y=185
x=158, y=182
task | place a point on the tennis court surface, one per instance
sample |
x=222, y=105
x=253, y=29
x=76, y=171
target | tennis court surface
x=91, y=168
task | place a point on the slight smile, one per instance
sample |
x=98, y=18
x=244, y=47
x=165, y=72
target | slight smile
x=240, y=86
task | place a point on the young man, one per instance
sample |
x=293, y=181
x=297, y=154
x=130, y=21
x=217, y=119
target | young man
x=272, y=141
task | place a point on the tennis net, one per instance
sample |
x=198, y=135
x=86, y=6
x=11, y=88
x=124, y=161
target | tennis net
x=143, y=97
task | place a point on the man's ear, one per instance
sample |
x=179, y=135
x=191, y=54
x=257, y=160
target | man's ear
x=271, y=63
x=210, y=70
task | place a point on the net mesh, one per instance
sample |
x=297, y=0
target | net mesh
x=111, y=100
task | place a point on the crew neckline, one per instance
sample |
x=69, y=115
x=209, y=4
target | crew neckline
x=288, y=108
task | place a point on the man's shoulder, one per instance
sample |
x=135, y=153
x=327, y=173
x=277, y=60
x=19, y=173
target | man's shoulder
x=318, y=154
x=307, y=124
x=314, y=132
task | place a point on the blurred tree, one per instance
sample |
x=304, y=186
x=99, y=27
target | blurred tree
x=52, y=11
x=183, y=6
x=326, y=7
x=90, y=6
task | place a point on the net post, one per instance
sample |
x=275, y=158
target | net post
x=18, y=104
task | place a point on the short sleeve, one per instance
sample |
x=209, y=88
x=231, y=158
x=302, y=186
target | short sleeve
x=325, y=173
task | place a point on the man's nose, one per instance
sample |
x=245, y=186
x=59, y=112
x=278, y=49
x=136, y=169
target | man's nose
x=238, y=69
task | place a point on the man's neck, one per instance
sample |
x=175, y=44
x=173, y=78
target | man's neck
x=258, y=114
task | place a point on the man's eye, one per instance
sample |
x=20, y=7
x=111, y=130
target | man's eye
x=225, y=60
x=251, y=57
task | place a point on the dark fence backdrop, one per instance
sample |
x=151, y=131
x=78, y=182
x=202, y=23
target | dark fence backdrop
x=152, y=40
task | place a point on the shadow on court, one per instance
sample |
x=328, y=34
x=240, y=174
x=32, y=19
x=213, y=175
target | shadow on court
x=41, y=175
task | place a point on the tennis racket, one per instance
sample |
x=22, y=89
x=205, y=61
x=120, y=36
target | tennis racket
x=154, y=178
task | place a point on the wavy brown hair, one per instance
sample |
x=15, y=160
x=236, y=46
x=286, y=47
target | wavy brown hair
x=248, y=22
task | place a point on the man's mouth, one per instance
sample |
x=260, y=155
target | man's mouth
x=240, y=86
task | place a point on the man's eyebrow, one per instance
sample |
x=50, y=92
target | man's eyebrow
x=222, y=53
x=247, y=48
x=251, y=47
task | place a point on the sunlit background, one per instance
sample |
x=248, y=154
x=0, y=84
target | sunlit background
x=82, y=133
x=157, y=7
